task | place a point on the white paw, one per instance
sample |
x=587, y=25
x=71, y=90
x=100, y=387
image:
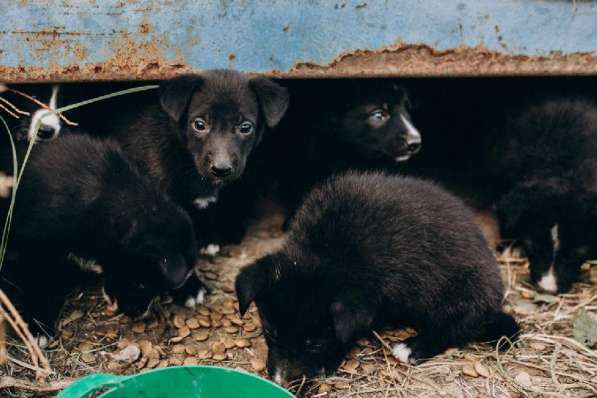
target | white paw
x=211, y=250
x=402, y=353
x=193, y=301
x=203, y=203
x=111, y=305
x=42, y=341
x=548, y=281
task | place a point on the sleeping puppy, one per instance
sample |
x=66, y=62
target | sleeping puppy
x=369, y=251
x=544, y=166
x=344, y=125
x=81, y=195
x=200, y=133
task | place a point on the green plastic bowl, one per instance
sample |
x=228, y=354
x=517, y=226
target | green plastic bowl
x=177, y=382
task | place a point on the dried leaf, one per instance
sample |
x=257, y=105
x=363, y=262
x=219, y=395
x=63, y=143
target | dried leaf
x=481, y=369
x=257, y=364
x=469, y=370
x=545, y=298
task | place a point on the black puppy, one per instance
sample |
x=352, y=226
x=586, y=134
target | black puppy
x=81, y=195
x=199, y=135
x=543, y=161
x=370, y=251
x=340, y=126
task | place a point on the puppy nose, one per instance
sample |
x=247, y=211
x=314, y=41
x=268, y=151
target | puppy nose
x=221, y=170
x=45, y=132
x=414, y=147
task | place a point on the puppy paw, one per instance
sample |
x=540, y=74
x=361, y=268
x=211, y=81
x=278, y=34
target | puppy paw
x=403, y=353
x=211, y=249
x=192, y=294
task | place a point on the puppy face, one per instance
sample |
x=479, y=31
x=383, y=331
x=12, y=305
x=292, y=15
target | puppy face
x=50, y=125
x=378, y=125
x=156, y=255
x=221, y=116
x=308, y=328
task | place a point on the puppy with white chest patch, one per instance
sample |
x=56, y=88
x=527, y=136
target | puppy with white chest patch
x=544, y=166
x=368, y=251
x=197, y=136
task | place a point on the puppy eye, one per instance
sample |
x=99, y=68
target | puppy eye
x=378, y=115
x=245, y=128
x=200, y=125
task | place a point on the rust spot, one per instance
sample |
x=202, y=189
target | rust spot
x=144, y=28
x=134, y=60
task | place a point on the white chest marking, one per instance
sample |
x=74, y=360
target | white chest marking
x=549, y=281
x=203, y=203
x=45, y=117
x=210, y=250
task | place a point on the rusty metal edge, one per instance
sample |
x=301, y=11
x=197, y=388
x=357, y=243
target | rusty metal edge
x=400, y=60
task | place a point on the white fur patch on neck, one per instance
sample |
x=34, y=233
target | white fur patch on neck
x=45, y=117
x=412, y=134
x=555, y=238
x=203, y=203
x=278, y=379
x=402, y=352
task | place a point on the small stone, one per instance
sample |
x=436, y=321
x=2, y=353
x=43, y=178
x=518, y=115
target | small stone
x=179, y=322
x=138, y=327
x=128, y=354
x=481, y=369
x=201, y=335
x=469, y=370
x=218, y=347
x=258, y=364
x=324, y=388
x=192, y=323
x=242, y=343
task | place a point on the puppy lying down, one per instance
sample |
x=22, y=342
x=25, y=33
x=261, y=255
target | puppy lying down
x=369, y=251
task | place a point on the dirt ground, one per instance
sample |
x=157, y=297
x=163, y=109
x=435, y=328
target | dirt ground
x=546, y=361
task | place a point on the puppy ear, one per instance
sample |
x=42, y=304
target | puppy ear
x=352, y=317
x=176, y=93
x=250, y=282
x=273, y=99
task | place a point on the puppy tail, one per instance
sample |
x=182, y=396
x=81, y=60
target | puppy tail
x=502, y=325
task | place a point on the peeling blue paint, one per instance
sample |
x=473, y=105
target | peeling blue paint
x=261, y=36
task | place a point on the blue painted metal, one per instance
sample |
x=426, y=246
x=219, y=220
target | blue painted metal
x=275, y=35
